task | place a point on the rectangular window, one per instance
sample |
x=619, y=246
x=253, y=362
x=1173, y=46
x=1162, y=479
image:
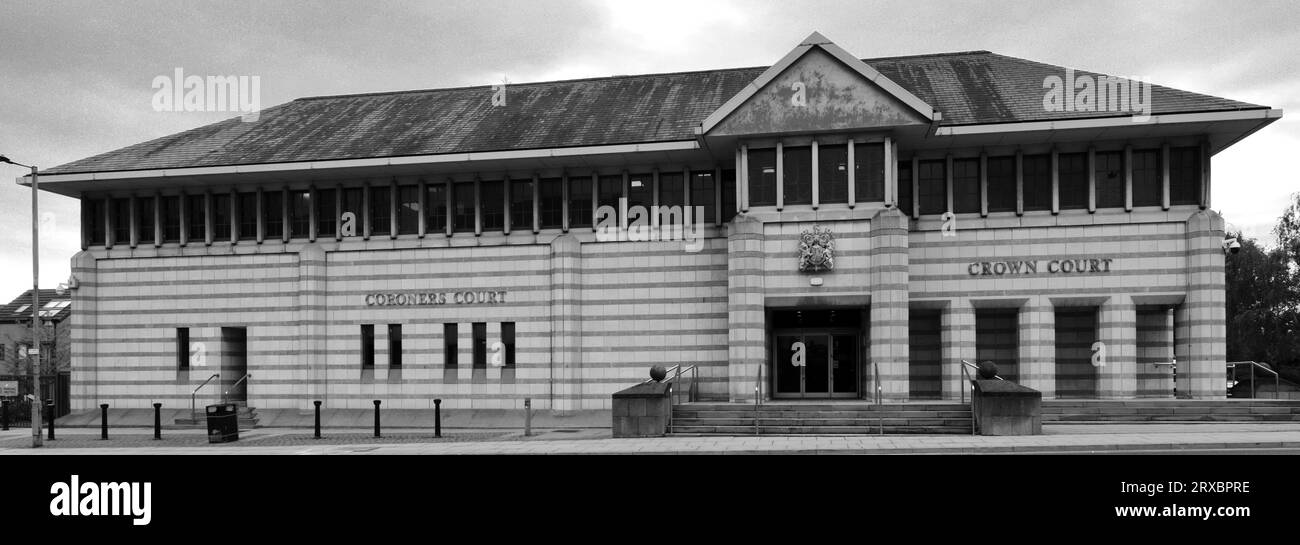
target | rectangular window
x=833, y=174
x=326, y=218
x=299, y=213
x=182, y=348
x=966, y=186
x=121, y=221
x=508, y=339
x=797, y=184
x=1109, y=173
x=672, y=189
x=435, y=207
x=196, y=219
x=1184, y=175
x=353, y=200
x=273, y=214
x=171, y=218
x=933, y=187
x=1148, y=184
x=1037, y=181
x=869, y=172
x=395, y=345
x=579, y=201
x=145, y=217
x=609, y=190
x=521, y=205
x=221, y=217
x=480, y=344
x=408, y=209
x=492, y=197
x=762, y=177
x=367, y=346
x=905, y=187
x=703, y=194
x=1072, y=180
x=449, y=346
x=728, y=182
x=1002, y=184
x=381, y=216
x=248, y=216
x=640, y=190
x=463, y=207
x=551, y=203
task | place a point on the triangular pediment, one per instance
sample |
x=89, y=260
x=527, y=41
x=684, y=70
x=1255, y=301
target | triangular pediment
x=817, y=87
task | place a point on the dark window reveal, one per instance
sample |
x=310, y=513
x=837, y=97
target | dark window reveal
x=521, y=205
x=94, y=214
x=508, y=339
x=395, y=345
x=1109, y=176
x=869, y=172
x=905, y=187
x=703, y=193
x=479, y=330
x=367, y=346
x=196, y=219
x=221, y=217
x=182, y=348
x=1148, y=184
x=449, y=345
x=299, y=213
x=966, y=186
x=326, y=217
x=463, y=207
x=1002, y=184
x=762, y=177
x=381, y=215
x=728, y=182
x=352, y=212
x=1185, y=175
x=1072, y=180
x=1037, y=182
x=273, y=214
x=550, y=204
x=833, y=174
x=932, y=190
x=145, y=217
x=121, y=221
x=580, y=201
x=435, y=207
x=247, y=216
x=492, y=198
x=672, y=190
x=797, y=182
x=171, y=218
x=408, y=209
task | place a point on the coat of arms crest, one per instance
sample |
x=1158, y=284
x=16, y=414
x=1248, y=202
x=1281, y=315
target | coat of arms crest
x=816, y=250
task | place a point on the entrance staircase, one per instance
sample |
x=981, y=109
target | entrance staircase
x=824, y=418
x=247, y=418
x=1065, y=411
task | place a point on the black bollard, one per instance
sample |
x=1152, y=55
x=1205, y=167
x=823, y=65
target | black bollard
x=4, y=414
x=103, y=421
x=528, y=417
x=49, y=411
x=317, y=403
x=157, y=420
x=376, y=418
x=437, y=418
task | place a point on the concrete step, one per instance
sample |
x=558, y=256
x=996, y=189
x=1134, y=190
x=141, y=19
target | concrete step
x=819, y=422
x=683, y=413
x=818, y=430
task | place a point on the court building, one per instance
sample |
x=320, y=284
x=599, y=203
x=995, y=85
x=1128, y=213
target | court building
x=825, y=227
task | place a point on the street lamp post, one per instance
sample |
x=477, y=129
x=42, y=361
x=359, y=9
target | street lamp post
x=36, y=312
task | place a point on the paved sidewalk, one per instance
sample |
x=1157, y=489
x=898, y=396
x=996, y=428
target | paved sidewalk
x=1057, y=438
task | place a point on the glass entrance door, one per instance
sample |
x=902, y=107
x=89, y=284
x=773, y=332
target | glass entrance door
x=815, y=364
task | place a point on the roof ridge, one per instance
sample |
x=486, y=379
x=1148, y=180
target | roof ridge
x=617, y=76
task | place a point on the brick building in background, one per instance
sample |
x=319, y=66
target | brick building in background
x=446, y=243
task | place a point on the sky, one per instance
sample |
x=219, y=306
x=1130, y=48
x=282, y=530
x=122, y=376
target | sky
x=76, y=77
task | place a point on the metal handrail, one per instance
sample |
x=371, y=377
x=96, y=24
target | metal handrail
x=1172, y=364
x=1277, y=381
x=678, y=371
x=965, y=373
x=226, y=396
x=194, y=414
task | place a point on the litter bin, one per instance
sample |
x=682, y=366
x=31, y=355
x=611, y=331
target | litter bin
x=223, y=423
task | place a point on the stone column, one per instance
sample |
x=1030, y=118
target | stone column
x=1117, y=377
x=1182, y=351
x=1038, y=345
x=85, y=318
x=566, y=326
x=312, y=330
x=889, y=279
x=1207, y=330
x=958, y=334
x=747, y=335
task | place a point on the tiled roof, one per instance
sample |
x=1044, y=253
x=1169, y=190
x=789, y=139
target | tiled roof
x=20, y=310
x=974, y=87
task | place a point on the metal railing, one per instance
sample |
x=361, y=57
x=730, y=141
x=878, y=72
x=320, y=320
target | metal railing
x=194, y=415
x=225, y=397
x=1277, y=381
x=1172, y=364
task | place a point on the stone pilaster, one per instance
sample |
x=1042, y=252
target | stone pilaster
x=85, y=318
x=566, y=313
x=1207, y=330
x=1037, y=326
x=312, y=327
x=747, y=334
x=958, y=333
x=1117, y=378
x=889, y=280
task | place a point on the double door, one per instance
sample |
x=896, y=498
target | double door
x=815, y=364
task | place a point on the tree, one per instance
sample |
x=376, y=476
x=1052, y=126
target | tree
x=1263, y=297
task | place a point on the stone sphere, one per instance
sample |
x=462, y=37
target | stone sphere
x=988, y=370
x=658, y=373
